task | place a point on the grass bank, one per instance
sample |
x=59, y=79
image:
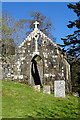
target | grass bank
x=21, y=101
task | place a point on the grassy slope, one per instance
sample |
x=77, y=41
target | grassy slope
x=20, y=101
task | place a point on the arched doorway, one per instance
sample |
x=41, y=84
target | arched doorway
x=36, y=70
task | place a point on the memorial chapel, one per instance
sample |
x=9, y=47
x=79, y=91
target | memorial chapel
x=39, y=61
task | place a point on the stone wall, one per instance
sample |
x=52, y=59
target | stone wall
x=54, y=64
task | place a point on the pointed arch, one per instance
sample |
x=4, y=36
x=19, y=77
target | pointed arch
x=36, y=70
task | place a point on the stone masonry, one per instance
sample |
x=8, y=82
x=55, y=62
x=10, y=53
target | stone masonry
x=38, y=61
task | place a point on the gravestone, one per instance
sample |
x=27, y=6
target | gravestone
x=1, y=71
x=46, y=89
x=59, y=88
x=36, y=88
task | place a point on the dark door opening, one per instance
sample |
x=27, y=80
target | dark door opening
x=37, y=70
x=35, y=73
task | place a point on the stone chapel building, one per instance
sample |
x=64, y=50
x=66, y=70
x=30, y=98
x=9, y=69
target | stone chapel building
x=39, y=61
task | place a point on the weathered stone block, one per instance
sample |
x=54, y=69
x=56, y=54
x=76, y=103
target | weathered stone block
x=20, y=76
x=36, y=88
x=28, y=43
x=1, y=72
x=59, y=88
x=15, y=77
x=46, y=89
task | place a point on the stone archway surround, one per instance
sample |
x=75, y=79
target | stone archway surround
x=37, y=77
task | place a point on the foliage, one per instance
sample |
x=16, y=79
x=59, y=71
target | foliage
x=14, y=31
x=21, y=101
x=75, y=69
x=12, y=34
x=72, y=42
x=7, y=42
x=45, y=24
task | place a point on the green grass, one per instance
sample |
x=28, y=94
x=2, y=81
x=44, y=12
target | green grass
x=21, y=101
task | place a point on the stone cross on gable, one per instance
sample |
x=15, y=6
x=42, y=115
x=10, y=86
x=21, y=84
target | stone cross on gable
x=36, y=37
x=36, y=23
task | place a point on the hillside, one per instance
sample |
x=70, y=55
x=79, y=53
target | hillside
x=21, y=101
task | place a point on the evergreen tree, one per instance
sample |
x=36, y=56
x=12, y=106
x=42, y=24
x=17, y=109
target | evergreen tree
x=72, y=42
x=75, y=68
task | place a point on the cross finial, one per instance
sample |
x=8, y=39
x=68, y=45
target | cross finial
x=36, y=23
